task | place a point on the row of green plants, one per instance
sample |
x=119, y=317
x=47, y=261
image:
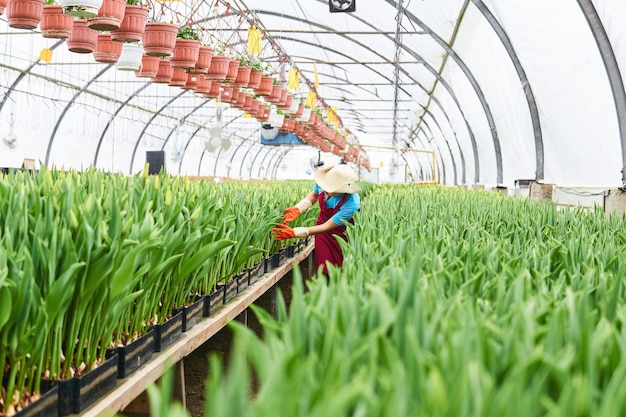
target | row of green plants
x=91, y=260
x=450, y=302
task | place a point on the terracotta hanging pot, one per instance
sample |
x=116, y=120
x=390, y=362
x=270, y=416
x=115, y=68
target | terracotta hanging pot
x=3, y=5
x=266, y=86
x=192, y=82
x=54, y=23
x=243, y=77
x=107, y=50
x=204, y=85
x=179, y=77
x=149, y=66
x=81, y=8
x=277, y=91
x=186, y=53
x=159, y=39
x=82, y=40
x=219, y=68
x=233, y=69
x=109, y=16
x=133, y=25
x=204, y=61
x=130, y=59
x=255, y=78
x=241, y=100
x=24, y=14
x=286, y=103
x=214, y=91
x=226, y=95
x=165, y=72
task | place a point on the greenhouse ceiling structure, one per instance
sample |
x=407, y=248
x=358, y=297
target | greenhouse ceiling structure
x=458, y=92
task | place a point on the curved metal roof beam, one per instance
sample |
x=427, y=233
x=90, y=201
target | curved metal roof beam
x=454, y=170
x=67, y=108
x=145, y=127
x=106, y=128
x=443, y=171
x=242, y=141
x=612, y=71
x=470, y=77
x=434, y=72
x=445, y=114
x=24, y=74
x=528, y=91
x=262, y=164
x=441, y=166
x=413, y=53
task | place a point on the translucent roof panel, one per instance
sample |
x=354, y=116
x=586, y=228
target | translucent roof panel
x=459, y=92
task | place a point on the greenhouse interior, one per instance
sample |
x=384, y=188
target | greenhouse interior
x=312, y=208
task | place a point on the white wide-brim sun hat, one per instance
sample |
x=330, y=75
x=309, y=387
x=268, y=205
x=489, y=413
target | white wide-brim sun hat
x=339, y=179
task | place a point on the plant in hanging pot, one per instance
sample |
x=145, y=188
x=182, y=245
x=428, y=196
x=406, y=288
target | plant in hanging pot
x=186, y=48
x=149, y=66
x=256, y=72
x=134, y=23
x=54, y=23
x=159, y=38
x=107, y=50
x=82, y=40
x=24, y=14
x=203, y=63
x=243, y=73
x=218, y=70
x=109, y=16
x=164, y=73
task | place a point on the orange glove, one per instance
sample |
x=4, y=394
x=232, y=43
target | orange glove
x=285, y=232
x=291, y=213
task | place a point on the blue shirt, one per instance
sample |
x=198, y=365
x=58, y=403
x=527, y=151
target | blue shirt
x=352, y=204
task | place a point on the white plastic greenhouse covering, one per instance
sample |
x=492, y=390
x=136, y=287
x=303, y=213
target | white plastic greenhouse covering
x=495, y=90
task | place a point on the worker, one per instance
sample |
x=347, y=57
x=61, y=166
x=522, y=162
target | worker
x=336, y=192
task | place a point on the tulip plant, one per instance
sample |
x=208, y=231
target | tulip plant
x=453, y=303
x=91, y=260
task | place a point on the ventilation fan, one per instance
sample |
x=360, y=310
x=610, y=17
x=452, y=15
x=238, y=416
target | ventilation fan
x=10, y=140
x=215, y=141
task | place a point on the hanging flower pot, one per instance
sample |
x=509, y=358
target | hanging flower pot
x=233, y=69
x=54, y=23
x=214, y=91
x=204, y=85
x=306, y=115
x=130, y=59
x=107, y=50
x=277, y=92
x=159, y=39
x=247, y=104
x=265, y=87
x=241, y=100
x=296, y=109
x=186, y=53
x=204, y=61
x=192, y=82
x=81, y=8
x=255, y=78
x=133, y=25
x=286, y=103
x=218, y=69
x=109, y=16
x=275, y=119
x=82, y=40
x=179, y=77
x=226, y=95
x=243, y=77
x=24, y=14
x=165, y=72
x=149, y=66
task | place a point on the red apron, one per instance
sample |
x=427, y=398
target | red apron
x=327, y=248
